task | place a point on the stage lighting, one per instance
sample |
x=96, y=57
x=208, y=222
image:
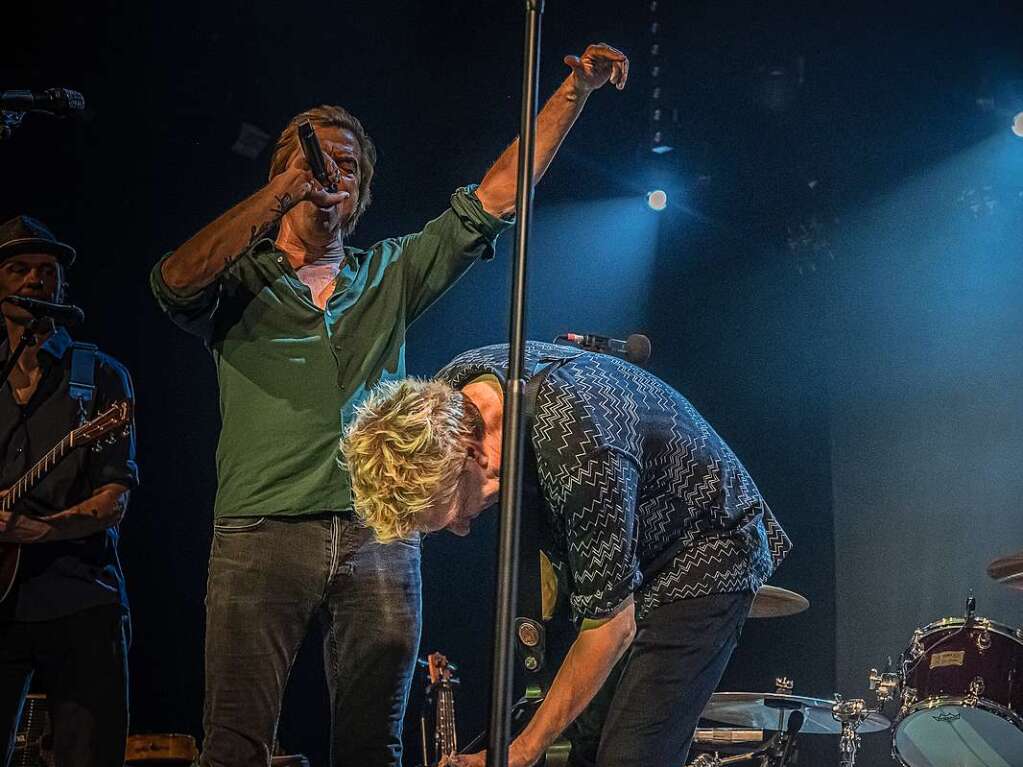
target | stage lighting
x=657, y=199
x=1017, y=125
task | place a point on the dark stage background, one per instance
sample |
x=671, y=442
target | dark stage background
x=835, y=283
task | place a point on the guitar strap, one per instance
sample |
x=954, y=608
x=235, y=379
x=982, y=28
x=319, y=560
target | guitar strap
x=82, y=382
x=530, y=633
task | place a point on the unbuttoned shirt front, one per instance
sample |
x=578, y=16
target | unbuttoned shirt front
x=290, y=374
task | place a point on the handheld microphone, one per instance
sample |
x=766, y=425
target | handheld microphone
x=58, y=101
x=635, y=349
x=62, y=314
x=314, y=155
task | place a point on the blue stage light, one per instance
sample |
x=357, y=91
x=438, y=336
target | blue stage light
x=1017, y=125
x=657, y=199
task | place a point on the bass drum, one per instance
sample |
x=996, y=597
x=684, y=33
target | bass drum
x=962, y=696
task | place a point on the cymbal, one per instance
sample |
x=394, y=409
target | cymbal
x=770, y=711
x=1008, y=570
x=773, y=602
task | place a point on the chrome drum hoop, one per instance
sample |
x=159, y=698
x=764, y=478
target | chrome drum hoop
x=1015, y=634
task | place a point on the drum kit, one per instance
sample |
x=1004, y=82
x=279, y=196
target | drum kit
x=957, y=695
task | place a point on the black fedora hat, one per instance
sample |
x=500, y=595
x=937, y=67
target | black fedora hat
x=25, y=234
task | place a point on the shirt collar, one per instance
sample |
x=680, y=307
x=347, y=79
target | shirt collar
x=55, y=346
x=267, y=247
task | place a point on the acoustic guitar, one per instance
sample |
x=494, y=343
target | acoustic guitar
x=100, y=430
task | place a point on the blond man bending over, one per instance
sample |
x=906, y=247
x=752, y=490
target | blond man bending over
x=660, y=531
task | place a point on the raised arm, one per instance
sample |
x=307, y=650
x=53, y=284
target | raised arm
x=207, y=254
x=598, y=64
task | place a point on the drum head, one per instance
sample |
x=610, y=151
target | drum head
x=958, y=736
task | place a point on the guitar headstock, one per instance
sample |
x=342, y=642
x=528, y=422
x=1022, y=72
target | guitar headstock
x=438, y=668
x=115, y=417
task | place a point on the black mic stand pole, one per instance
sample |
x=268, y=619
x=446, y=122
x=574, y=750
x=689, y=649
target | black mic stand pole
x=512, y=437
x=28, y=338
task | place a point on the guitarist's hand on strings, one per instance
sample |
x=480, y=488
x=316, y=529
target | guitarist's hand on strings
x=21, y=529
x=517, y=757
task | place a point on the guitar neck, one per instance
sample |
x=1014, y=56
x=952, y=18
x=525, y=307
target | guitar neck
x=30, y=478
x=446, y=736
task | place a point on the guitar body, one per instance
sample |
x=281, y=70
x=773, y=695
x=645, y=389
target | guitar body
x=10, y=557
x=116, y=417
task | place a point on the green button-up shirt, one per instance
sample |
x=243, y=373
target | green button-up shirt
x=290, y=374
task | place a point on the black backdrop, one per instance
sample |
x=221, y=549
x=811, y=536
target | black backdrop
x=787, y=112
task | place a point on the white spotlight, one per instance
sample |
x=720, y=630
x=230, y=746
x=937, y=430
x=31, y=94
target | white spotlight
x=1017, y=125
x=657, y=199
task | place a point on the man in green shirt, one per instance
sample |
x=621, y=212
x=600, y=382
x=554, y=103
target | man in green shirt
x=300, y=326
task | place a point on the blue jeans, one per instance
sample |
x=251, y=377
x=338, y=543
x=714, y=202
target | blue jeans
x=269, y=579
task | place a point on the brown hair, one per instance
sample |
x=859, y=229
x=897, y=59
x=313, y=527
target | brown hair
x=332, y=117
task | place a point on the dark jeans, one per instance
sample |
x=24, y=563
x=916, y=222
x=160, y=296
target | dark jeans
x=270, y=578
x=647, y=711
x=81, y=662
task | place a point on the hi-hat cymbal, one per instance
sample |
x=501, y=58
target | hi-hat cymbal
x=773, y=602
x=770, y=711
x=1008, y=570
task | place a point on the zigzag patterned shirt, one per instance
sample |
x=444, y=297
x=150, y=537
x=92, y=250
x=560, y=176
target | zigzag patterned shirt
x=630, y=470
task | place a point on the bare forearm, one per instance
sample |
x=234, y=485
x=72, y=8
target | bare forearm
x=497, y=190
x=586, y=667
x=104, y=508
x=206, y=255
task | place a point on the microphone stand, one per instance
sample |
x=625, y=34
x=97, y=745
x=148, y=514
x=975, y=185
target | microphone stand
x=512, y=437
x=28, y=338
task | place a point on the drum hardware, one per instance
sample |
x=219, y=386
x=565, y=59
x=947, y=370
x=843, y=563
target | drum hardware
x=974, y=691
x=885, y=685
x=916, y=646
x=774, y=752
x=984, y=640
x=851, y=714
x=909, y=697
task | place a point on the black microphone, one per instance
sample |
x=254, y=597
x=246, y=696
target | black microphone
x=58, y=101
x=636, y=348
x=314, y=155
x=795, y=724
x=62, y=314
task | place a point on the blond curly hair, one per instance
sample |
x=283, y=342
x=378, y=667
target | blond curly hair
x=405, y=452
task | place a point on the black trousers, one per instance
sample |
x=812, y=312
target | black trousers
x=81, y=662
x=647, y=711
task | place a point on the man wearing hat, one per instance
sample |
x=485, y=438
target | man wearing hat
x=64, y=617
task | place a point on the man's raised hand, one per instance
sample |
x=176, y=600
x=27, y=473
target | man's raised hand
x=598, y=64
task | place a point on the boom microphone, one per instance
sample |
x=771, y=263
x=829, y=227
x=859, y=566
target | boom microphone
x=636, y=348
x=62, y=314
